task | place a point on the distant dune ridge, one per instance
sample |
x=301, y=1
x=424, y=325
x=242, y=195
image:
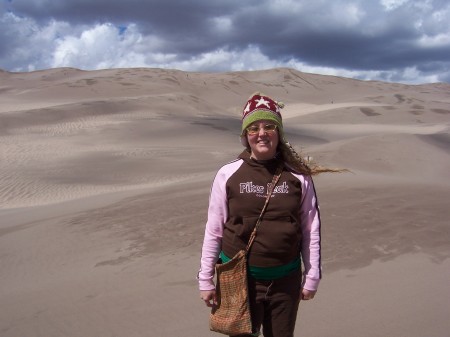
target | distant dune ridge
x=104, y=183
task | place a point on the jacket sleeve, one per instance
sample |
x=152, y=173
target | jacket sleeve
x=311, y=237
x=217, y=216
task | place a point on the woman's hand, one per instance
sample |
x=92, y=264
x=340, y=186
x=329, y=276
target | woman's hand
x=308, y=294
x=209, y=296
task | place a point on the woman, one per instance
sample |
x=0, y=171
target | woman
x=289, y=233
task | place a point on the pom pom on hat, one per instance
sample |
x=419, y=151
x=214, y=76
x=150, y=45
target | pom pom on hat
x=261, y=107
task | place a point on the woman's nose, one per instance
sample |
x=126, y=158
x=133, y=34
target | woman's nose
x=262, y=131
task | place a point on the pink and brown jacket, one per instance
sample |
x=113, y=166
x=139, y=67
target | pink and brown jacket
x=290, y=227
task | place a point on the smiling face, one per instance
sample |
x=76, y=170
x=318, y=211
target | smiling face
x=263, y=139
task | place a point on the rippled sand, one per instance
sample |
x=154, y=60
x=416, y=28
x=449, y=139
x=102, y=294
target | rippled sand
x=104, y=182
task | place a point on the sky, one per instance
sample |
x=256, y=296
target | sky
x=405, y=41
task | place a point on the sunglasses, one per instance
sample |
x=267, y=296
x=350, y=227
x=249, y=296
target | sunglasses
x=254, y=129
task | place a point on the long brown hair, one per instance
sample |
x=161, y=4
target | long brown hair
x=300, y=164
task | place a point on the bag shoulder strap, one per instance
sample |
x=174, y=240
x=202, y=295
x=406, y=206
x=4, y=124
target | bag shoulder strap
x=275, y=179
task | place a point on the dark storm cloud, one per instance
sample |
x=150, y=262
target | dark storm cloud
x=185, y=25
x=171, y=18
x=378, y=41
x=366, y=36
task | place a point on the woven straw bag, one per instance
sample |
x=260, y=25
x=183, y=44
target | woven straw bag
x=231, y=315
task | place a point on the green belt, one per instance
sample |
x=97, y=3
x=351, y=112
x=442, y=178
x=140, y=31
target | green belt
x=269, y=273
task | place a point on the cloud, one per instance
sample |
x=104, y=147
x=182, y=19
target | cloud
x=27, y=45
x=390, y=5
x=100, y=46
x=401, y=40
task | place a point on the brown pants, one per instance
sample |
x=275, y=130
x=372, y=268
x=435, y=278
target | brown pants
x=274, y=305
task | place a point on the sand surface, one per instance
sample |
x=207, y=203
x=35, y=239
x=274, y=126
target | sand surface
x=104, y=182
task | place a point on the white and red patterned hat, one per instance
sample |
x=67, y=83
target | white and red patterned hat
x=262, y=107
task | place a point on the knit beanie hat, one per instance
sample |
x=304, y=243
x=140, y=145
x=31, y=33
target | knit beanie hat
x=262, y=107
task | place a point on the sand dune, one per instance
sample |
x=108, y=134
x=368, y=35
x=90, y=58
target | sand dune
x=104, y=182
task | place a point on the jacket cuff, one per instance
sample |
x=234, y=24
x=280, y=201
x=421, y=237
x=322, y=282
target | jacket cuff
x=206, y=285
x=311, y=284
